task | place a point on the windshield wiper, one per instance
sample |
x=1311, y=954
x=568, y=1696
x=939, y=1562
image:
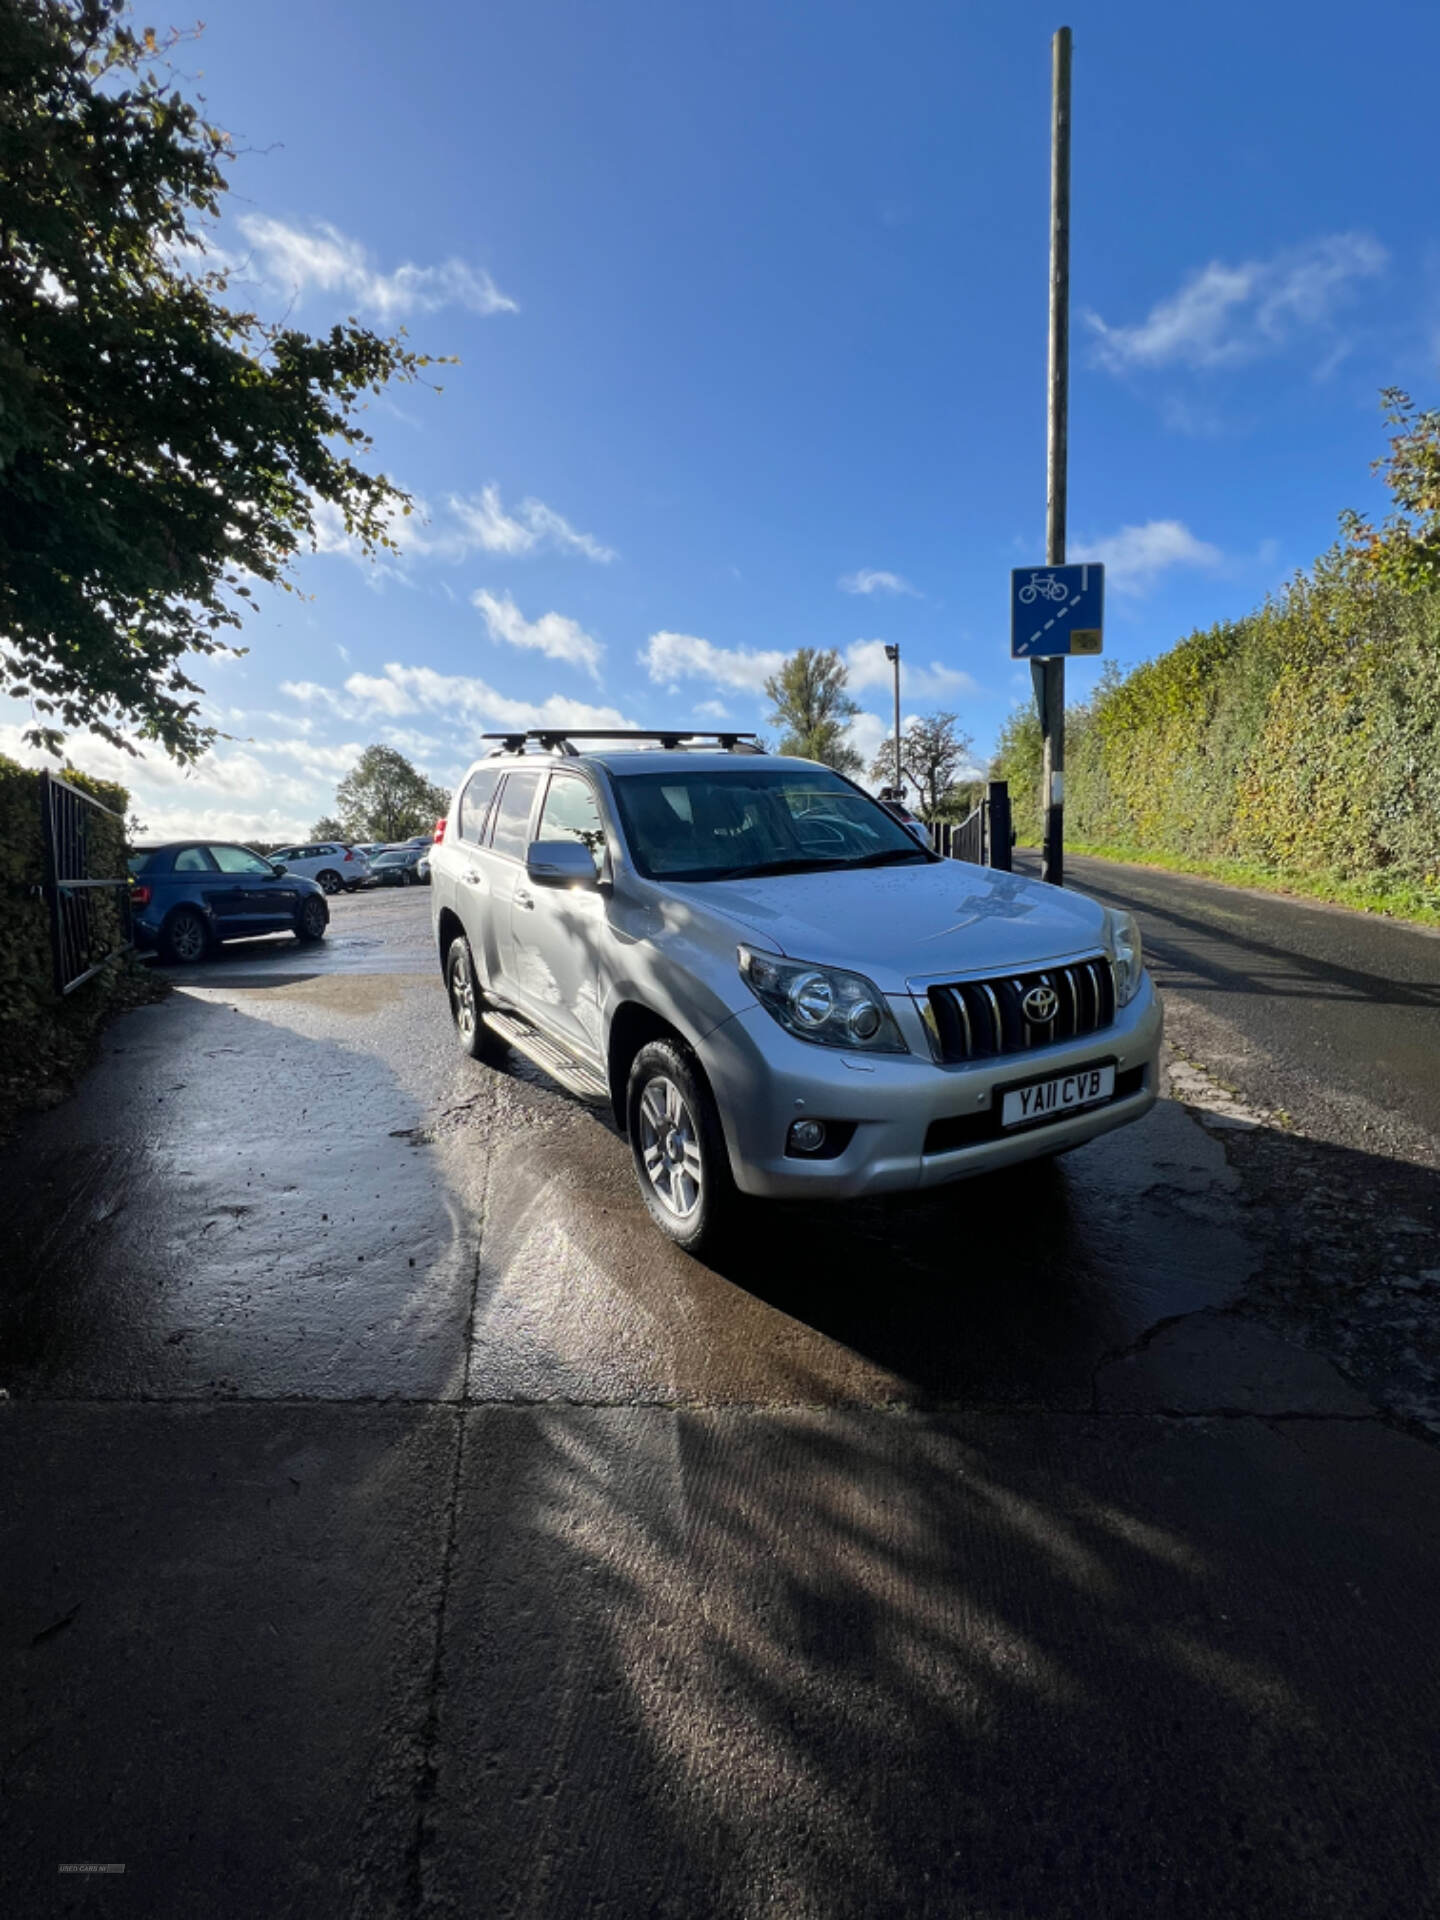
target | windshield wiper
x=762, y=870
x=807, y=863
x=889, y=857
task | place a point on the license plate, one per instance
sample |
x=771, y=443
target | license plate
x=1047, y=1098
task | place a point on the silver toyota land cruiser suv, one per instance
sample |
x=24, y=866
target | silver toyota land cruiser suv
x=770, y=982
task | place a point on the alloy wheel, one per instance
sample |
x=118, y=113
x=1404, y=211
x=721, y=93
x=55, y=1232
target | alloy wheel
x=187, y=937
x=462, y=997
x=670, y=1147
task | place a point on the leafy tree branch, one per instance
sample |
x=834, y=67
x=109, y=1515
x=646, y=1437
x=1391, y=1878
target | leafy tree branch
x=160, y=451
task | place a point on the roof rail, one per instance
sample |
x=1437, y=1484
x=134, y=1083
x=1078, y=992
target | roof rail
x=562, y=740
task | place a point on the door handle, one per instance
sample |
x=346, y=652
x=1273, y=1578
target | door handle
x=524, y=899
x=472, y=876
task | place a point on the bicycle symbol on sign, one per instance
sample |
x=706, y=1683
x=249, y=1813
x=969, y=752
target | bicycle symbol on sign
x=1042, y=587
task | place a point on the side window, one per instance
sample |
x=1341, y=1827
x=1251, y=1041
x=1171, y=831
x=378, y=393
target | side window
x=512, y=816
x=475, y=803
x=571, y=814
x=239, y=860
x=192, y=860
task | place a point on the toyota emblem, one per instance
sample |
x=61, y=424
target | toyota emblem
x=1041, y=1004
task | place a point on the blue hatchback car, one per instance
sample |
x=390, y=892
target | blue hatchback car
x=191, y=894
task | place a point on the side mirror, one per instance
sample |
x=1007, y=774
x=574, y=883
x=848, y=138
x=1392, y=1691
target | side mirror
x=280, y=867
x=560, y=863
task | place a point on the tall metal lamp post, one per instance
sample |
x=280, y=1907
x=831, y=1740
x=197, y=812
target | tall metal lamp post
x=892, y=654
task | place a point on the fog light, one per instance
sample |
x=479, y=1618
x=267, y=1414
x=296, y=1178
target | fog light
x=807, y=1136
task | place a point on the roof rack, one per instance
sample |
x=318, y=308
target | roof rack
x=562, y=740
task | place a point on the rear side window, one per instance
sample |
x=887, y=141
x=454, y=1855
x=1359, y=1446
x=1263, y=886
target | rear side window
x=475, y=804
x=512, y=816
x=192, y=860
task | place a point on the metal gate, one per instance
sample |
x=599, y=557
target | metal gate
x=89, y=912
x=983, y=836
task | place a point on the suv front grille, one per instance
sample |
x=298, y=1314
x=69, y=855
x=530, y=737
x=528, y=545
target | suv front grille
x=980, y=1019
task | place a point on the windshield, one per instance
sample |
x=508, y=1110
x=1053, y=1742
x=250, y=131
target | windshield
x=730, y=825
x=392, y=860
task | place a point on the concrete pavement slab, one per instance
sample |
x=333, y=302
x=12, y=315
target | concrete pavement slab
x=218, y=1628
x=1001, y=1292
x=860, y=1664
x=232, y=1206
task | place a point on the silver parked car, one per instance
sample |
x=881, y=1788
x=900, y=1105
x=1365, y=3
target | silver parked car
x=771, y=984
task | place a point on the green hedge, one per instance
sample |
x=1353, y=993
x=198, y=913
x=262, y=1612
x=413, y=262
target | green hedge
x=44, y=1036
x=1301, y=744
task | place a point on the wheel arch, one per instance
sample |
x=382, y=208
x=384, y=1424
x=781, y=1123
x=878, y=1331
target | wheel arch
x=448, y=928
x=633, y=1026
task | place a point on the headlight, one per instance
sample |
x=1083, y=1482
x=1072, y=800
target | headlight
x=821, y=1003
x=1122, y=936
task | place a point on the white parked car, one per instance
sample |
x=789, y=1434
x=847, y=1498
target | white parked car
x=336, y=867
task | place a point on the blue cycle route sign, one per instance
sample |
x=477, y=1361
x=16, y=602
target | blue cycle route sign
x=1056, y=610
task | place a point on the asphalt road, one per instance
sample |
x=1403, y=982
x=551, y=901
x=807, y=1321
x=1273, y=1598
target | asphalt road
x=1332, y=1016
x=394, y=1524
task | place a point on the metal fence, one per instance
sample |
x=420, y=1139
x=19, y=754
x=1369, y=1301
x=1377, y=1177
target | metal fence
x=983, y=837
x=89, y=912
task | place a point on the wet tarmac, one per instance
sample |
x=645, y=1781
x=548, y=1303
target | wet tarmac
x=399, y=1525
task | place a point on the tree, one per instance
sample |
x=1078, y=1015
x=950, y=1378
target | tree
x=384, y=798
x=813, y=709
x=159, y=450
x=1406, y=549
x=934, y=752
x=328, y=828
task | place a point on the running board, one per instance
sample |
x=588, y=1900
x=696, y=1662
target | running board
x=578, y=1079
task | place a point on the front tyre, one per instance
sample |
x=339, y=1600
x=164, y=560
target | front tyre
x=467, y=1004
x=312, y=920
x=678, y=1147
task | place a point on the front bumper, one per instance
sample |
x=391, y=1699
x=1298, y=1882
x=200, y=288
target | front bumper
x=764, y=1078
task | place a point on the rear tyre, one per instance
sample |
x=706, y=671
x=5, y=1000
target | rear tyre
x=330, y=881
x=678, y=1147
x=185, y=939
x=467, y=1004
x=311, y=921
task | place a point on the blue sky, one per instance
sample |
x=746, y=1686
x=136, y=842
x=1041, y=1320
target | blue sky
x=750, y=302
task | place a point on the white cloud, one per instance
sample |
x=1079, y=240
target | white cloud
x=319, y=762
x=683, y=656
x=466, y=698
x=468, y=524
x=1135, y=557
x=867, y=733
x=235, y=791
x=483, y=523
x=873, y=580
x=309, y=693
x=711, y=710
x=321, y=257
x=868, y=667
x=553, y=634
x=1224, y=315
